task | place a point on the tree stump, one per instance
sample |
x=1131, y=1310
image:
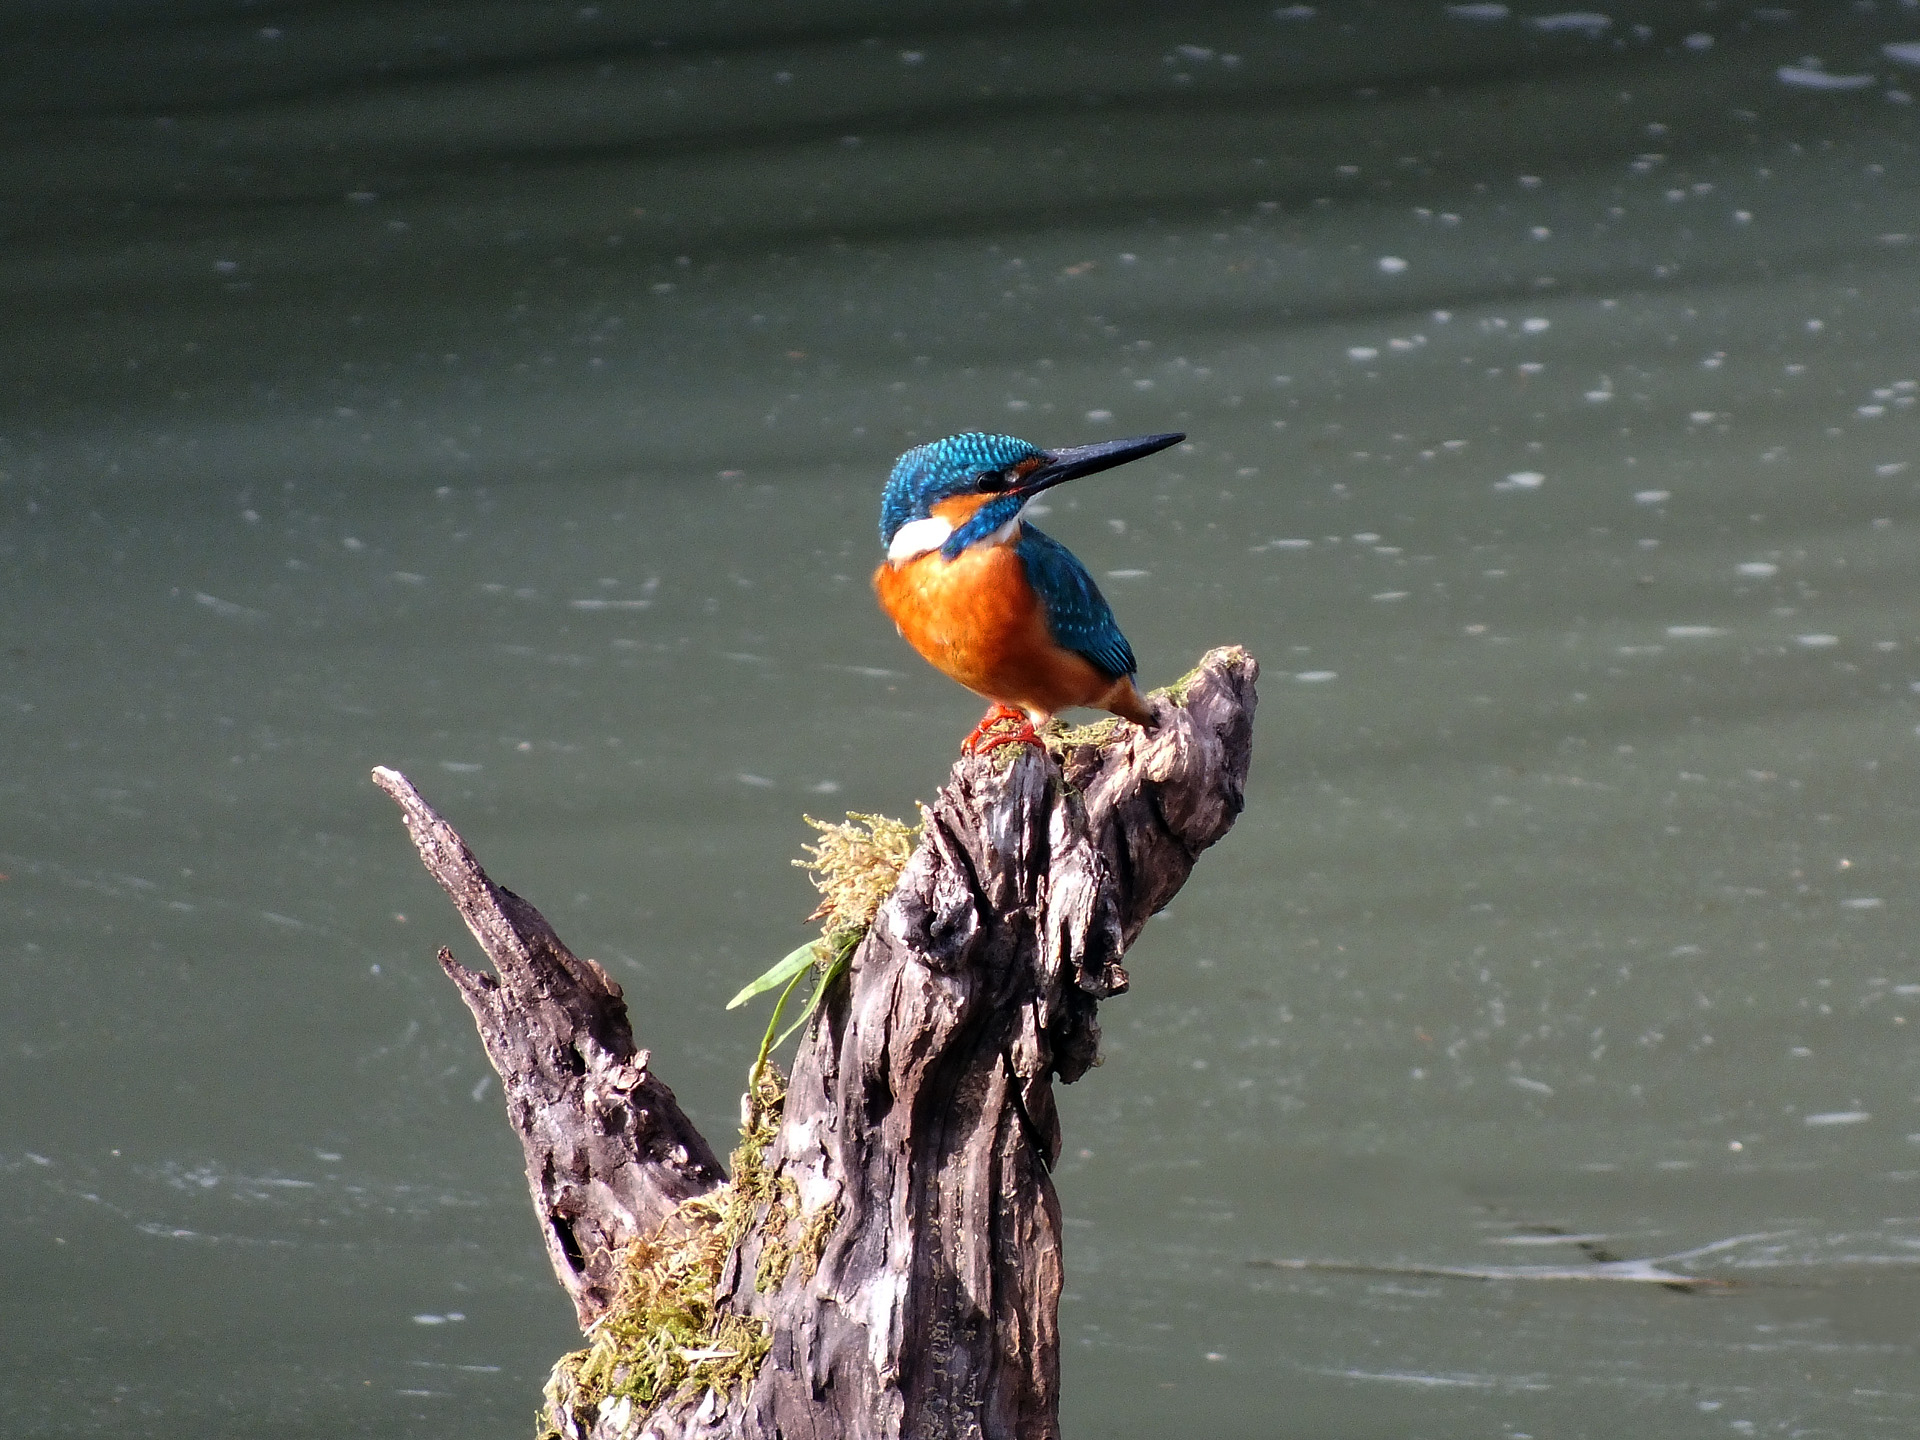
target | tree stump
x=892, y=1236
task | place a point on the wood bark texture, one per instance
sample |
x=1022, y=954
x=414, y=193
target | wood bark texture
x=609, y=1153
x=919, y=1126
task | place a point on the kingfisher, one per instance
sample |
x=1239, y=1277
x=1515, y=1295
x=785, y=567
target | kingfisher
x=991, y=601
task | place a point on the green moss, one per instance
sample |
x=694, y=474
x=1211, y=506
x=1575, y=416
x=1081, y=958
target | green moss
x=1061, y=738
x=782, y=1250
x=1177, y=691
x=666, y=1333
x=855, y=867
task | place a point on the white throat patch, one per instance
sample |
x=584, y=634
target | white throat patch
x=917, y=537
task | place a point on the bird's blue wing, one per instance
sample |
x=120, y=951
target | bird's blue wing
x=1078, y=616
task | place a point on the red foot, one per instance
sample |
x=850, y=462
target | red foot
x=979, y=742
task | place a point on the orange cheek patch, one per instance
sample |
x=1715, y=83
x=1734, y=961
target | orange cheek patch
x=956, y=510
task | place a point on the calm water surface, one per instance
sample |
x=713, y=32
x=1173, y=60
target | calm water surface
x=502, y=392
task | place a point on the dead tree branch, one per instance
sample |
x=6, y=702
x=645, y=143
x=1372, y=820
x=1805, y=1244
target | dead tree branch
x=904, y=1260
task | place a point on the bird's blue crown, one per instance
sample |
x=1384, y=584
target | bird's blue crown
x=928, y=474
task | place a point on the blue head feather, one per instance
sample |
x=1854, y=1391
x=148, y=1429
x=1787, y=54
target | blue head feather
x=930, y=473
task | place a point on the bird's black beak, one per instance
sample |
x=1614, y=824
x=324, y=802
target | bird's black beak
x=1077, y=460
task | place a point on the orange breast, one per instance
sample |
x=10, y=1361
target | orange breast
x=977, y=619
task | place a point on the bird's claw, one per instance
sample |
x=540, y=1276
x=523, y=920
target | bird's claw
x=980, y=741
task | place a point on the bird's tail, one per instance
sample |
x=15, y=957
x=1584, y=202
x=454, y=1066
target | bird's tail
x=1128, y=703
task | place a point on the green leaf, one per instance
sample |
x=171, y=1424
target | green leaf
x=766, y=1041
x=827, y=976
x=783, y=973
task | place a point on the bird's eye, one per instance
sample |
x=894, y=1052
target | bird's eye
x=993, y=482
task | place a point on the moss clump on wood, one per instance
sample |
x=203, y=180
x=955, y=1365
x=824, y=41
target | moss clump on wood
x=666, y=1334
x=1059, y=737
x=782, y=1252
x=855, y=867
x=1177, y=691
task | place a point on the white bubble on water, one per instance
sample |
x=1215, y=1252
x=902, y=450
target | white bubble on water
x=228, y=609
x=1477, y=12
x=1758, y=569
x=1839, y=1117
x=1817, y=642
x=1698, y=41
x=1904, y=52
x=1807, y=78
x=1392, y=264
x=1362, y=352
x=1587, y=22
x=1316, y=677
x=1695, y=632
x=1534, y=324
x=1521, y=480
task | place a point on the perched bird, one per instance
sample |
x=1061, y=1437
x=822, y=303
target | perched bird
x=988, y=599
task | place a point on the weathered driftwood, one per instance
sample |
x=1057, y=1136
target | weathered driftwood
x=609, y=1153
x=919, y=1125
